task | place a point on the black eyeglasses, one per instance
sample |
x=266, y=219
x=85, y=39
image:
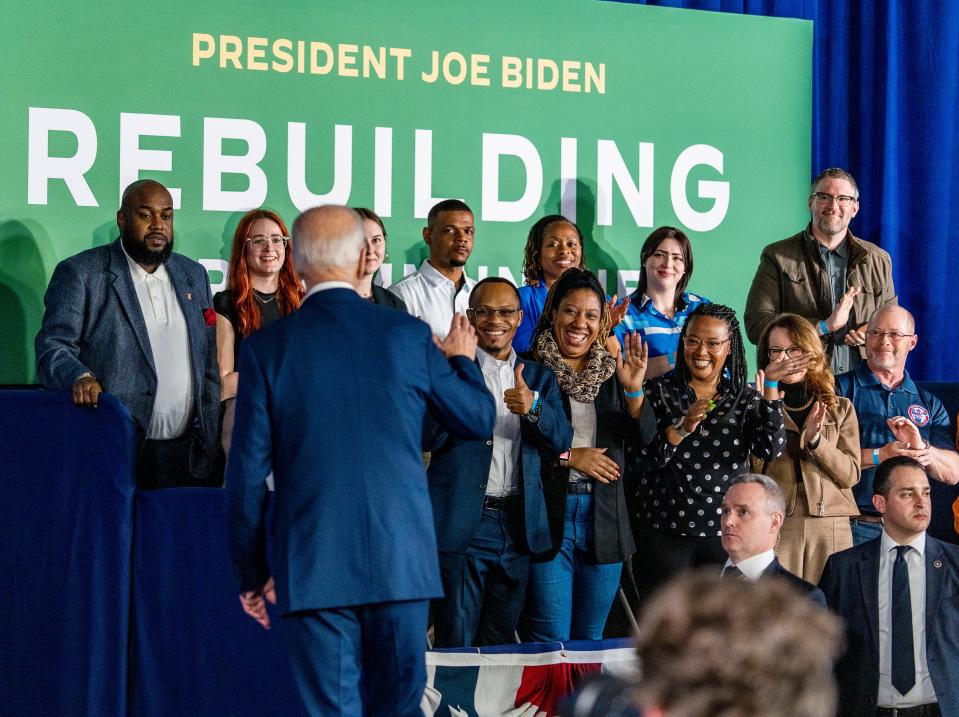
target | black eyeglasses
x=843, y=200
x=791, y=352
x=894, y=336
x=260, y=241
x=488, y=312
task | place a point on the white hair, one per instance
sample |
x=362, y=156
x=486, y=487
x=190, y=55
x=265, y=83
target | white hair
x=327, y=237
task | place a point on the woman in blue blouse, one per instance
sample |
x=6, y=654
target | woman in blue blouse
x=659, y=306
x=554, y=245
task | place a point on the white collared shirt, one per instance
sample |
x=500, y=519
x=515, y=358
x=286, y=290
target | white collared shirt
x=170, y=345
x=922, y=692
x=324, y=285
x=432, y=297
x=503, y=475
x=753, y=567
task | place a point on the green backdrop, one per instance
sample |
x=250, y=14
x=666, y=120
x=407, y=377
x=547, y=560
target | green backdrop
x=648, y=116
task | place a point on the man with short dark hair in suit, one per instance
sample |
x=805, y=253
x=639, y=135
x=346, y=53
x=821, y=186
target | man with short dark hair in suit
x=899, y=597
x=487, y=494
x=332, y=399
x=136, y=320
x=752, y=514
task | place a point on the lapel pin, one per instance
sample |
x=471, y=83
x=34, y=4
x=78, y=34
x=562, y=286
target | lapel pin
x=189, y=296
x=937, y=563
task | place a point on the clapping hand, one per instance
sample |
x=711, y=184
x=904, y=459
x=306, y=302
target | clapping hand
x=519, y=400
x=812, y=426
x=906, y=432
x=840, y=315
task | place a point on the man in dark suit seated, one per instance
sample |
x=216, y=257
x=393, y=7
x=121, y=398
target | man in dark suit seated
x=137, y=320
x=487, y=494
x=332, y=399
x=753, y=510
x=899, y=596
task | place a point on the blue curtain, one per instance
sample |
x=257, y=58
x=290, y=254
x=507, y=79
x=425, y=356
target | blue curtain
x=885, y=108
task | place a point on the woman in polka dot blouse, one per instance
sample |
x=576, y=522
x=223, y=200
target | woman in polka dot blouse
x=709, y=421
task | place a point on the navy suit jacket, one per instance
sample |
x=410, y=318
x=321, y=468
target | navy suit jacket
x=851, y=584
x=93, y=322
x=459, y=470
x=333, y=399
x=776, y=570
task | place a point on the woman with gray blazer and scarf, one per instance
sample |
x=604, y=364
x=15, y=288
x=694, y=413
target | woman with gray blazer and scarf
x=572, y=586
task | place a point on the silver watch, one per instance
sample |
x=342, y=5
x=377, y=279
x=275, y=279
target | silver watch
x=681, y=430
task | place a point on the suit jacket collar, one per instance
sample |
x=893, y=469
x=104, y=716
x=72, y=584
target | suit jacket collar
x=868, y=570
x=935, y=575
x=127, y=296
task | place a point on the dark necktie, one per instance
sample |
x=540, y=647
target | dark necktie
x=903, y=660
x=731, y=572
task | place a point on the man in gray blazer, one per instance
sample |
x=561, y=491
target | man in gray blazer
x=136, y=320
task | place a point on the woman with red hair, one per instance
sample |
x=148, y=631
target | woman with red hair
x=261, y=287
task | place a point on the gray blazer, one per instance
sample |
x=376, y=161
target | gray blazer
x=93, y=322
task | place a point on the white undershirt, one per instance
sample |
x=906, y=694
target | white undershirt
x=499, y=377
x=170, y=344
x=583, y=419
x=922, y=692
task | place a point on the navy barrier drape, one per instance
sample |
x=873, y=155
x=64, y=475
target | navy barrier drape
x=66, y=528
x=885, y=107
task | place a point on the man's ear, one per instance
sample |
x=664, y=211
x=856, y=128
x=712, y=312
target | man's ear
x=777, y=521
x=360, y=268
x=426, y=235
x=121, y=221
x=879, y=503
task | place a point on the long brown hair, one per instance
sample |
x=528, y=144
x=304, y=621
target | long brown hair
x=289, y=292
x=819, y=378
x=652, y=244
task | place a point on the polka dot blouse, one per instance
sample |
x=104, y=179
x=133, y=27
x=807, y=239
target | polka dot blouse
x=681, y=487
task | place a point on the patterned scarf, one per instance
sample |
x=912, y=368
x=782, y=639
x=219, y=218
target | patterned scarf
x=582, y=386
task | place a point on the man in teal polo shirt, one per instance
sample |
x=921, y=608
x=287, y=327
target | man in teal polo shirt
x=896, y=417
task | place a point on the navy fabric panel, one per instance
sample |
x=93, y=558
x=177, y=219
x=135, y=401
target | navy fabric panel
x=194, y=650
x=66, y=475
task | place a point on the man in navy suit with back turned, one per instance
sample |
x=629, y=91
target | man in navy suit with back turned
x=899, y=597
x=487, y=494
x=333, y=399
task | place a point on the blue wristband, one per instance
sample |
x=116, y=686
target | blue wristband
x=633, y=394
x=535, y=404
x=770, y=384
x=875, y=456
x=823, y=327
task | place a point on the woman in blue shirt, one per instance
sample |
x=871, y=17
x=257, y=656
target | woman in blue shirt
x=554, y=245
x=659, y=306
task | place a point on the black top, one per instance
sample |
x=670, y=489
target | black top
x=386, y=298
x=681, y=487
x=223, y=305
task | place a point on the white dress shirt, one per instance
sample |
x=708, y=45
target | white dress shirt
x=432, y=297
x=922, y=692
x=170, y=344
x=754, y=567
x=503, y=474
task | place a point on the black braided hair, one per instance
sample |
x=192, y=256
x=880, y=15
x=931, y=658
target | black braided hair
x=735, y=361
x=572, y=279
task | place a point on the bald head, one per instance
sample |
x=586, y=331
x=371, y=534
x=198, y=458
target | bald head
x=329, y=244
x=145, y=220
x=893, y=314
x=134, y=191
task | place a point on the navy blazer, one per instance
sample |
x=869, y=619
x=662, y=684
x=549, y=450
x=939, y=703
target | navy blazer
x=459, y=470
x=776, y=570
x=93, y=322
x=850, y=581
x=333, y=398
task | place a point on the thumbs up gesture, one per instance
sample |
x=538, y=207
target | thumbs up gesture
x=519, y=400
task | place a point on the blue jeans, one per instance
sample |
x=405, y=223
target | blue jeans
x=863, y=532
x=569, y=597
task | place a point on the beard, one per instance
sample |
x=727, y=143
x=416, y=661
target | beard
x=142, y=254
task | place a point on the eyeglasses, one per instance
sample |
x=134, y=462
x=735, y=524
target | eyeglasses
x=791, y=352
x=487, y=312
x=713, y=346
x=260, y=241
x=894, y=336
x=843, y=200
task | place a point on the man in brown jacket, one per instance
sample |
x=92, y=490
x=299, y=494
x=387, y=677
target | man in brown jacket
x=825, y=274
